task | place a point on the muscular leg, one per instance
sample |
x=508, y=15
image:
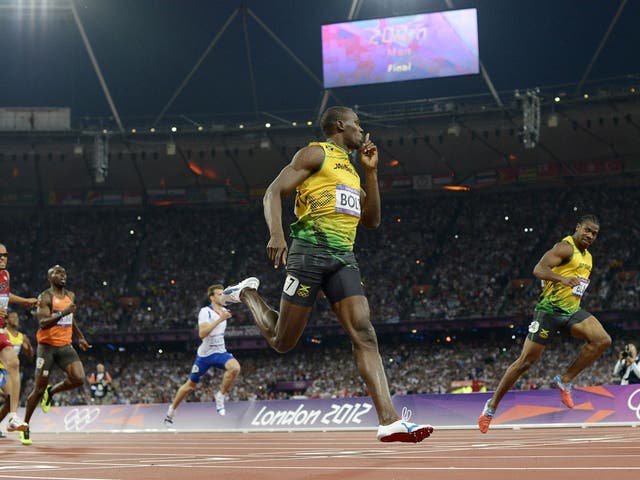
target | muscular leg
x=183, y=392
x=5, y=407
x=231, y=371
x=74, y=379
x=9, y=357
x=597, y=341
x=35, y=396
x=353, y=313
x=282, y=330
x=531, y=352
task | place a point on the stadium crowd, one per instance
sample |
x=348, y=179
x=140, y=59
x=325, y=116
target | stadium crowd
x=413, y=365
x=441, y=257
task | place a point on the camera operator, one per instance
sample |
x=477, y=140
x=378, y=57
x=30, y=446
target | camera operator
x=101, y=386
x=627, y=367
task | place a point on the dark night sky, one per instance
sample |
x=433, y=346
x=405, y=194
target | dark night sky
x=146, y=48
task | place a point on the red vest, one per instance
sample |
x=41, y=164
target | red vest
x=5, y=289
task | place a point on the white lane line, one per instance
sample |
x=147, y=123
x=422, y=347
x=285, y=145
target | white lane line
x=363, y=468
x=22, y=467
x=56, y=478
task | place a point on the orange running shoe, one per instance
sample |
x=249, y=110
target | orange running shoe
x=565, y=391
x=484, y=420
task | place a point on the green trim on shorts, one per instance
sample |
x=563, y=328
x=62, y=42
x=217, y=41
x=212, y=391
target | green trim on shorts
x=544, y=325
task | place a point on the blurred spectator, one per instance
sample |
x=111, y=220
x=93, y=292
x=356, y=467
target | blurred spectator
x=439, y=256
x=100, y=386
x=627, y=367
x=413, y=366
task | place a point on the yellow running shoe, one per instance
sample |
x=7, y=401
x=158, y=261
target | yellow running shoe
x=45, y=403
x=25, y=438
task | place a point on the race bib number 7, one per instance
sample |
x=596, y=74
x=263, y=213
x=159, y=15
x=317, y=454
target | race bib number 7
x=348, y=200
x=579, y=289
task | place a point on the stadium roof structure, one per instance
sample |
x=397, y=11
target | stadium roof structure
x=214, y=66
x=201, y=59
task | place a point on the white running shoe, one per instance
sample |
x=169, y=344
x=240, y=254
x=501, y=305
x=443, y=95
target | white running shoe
x=232, y=293
x=219, y=396
x=168, y=421
x=403, y=431
x=17, y=425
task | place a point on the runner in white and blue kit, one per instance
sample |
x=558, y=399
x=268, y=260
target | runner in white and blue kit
x=212, y=322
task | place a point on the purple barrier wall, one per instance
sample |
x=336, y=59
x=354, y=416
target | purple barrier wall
x=593, y=405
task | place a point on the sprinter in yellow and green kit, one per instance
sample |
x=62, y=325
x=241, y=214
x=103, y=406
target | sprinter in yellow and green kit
x=330, y=204
x=564, y=271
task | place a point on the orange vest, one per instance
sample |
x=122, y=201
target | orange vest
x=60, y=334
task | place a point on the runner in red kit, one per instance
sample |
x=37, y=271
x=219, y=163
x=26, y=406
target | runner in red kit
x=8, y=355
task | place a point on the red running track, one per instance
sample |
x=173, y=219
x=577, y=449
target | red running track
x=564, y=453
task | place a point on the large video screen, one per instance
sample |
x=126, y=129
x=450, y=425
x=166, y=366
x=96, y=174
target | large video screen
x=429, y=45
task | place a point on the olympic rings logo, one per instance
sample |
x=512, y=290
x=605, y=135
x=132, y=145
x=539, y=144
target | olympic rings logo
x=634, y=405
x=78, y=418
